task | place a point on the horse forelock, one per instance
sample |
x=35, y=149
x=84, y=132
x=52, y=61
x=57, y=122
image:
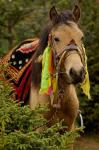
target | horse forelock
x=64, y=17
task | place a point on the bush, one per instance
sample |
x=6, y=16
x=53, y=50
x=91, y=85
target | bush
x=18, y=126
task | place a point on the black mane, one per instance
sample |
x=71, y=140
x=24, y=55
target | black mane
x=62, y=18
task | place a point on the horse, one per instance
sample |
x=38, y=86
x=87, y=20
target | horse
x=65, y=38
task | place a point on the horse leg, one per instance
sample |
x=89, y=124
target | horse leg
x=37, y=99
x=69, y=110
x=33, y=100
x=72, y=109
x=70, y=106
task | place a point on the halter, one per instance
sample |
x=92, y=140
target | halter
x=66, y=51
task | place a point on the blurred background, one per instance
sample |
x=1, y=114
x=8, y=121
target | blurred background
x=22, y=19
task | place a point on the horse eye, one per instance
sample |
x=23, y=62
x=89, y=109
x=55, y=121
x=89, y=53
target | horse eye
x=56, y=39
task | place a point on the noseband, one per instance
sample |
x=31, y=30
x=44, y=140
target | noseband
x=66, y=52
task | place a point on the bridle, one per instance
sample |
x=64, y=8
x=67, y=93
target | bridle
x=65, y=52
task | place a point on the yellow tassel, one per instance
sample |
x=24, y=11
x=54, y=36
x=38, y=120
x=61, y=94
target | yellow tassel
x=85, y=85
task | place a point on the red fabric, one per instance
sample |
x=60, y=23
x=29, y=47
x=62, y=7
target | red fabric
x=51, y=66
x=24, y=82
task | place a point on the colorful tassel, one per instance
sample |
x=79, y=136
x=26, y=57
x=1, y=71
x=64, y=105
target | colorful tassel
x=48, y=82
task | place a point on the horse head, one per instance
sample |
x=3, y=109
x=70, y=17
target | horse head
x=66, y=42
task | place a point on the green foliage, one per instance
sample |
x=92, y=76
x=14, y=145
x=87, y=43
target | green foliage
x=18, y=126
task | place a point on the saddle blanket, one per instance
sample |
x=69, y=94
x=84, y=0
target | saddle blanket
x=18, y=64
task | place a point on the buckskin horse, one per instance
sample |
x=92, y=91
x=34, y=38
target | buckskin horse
x=63, y=38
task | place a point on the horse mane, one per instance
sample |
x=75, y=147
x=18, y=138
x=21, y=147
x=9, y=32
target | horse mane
x=37, y=66
x=63, y=18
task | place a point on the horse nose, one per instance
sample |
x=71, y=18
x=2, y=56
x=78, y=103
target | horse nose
x=77, y=76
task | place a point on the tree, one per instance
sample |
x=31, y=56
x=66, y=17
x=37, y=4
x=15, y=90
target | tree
x=23, y=19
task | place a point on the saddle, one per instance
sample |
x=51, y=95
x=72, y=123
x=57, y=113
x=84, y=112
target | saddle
x=18, y=62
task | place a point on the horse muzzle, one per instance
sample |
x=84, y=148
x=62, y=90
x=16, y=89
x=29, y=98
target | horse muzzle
x=77, y=76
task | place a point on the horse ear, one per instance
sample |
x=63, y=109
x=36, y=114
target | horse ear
x=53, y=14
x=76, y=13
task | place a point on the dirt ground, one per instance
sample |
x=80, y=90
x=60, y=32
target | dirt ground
x=87, y=143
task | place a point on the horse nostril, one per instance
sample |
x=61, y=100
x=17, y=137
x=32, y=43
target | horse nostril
x=77, y=76
x=82, y=72
x=72, y=72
